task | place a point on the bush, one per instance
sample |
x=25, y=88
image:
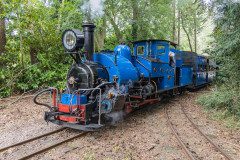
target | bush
x=223, y=99
x=49, y=71
x=226, y=53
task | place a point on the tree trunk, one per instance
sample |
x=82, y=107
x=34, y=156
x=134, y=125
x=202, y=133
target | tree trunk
x=117, y=31
x=33, y=55
x=197, y=5
x=21, y=38
x=2, y=32
x=21, y=49
x=101, y=35
x=188, y=37
x=62, y=3
x=179, y=27
x=174, y=21
x=135, y=20
x=195, y=31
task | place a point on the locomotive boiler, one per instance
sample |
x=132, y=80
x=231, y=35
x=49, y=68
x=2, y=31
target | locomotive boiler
x=103, y=87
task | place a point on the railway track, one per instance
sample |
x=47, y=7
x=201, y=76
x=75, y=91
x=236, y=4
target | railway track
x=183, y=145
x=46, y=148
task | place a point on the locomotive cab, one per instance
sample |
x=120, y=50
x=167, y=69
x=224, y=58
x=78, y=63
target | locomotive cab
x=153, y=61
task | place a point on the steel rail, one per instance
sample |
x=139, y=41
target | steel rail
x=31, y=139
x=53, y=146
x=187, y=152
x=205, y=136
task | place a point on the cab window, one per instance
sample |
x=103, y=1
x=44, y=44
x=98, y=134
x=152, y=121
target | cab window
x=140, y=50
x=160, y=49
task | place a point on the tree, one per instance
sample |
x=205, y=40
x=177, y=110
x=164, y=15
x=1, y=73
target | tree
x=2, y=30
x=100, y=33
x=34, y=36
x=193, y=16
x=140, y=20
x=179, y=28
x=186, y=32
x=174, y=21
x=225, y=51
x=135, y=20
x=112, y=7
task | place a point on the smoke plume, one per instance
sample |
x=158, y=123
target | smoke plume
x=93, y=9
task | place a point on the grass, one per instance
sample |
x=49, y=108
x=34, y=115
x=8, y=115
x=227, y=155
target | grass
x=230, y=121
x=223, y=104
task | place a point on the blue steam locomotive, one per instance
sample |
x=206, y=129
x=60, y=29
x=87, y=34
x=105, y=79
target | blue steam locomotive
x=103, y=87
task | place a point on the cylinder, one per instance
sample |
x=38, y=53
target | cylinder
x=88, y=30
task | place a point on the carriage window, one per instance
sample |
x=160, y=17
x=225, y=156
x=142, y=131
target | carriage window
x=140, y=50
x=177, y=56
x=160, y=49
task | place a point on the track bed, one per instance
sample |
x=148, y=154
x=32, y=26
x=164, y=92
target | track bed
x=145, y=134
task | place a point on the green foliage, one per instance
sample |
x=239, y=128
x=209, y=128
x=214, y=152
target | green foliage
x=223, y=104
x=154, y=18
x=227, y=54
x=222, y=99
x=47, y=72
x=38, y=25
x=34, y=55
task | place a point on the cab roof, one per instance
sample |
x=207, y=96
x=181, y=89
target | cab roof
x=148, y=40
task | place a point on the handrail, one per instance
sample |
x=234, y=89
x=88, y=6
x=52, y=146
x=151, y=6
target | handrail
x=100, y=100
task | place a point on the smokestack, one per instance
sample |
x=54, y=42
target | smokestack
x=88, y=30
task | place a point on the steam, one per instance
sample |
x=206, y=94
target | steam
x=117, y=117
x=93, y=9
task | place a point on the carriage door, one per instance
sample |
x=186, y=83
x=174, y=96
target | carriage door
x=177, y=76
x=178, y=64
x=207, y=70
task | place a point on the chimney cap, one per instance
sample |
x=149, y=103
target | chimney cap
x=88, y=24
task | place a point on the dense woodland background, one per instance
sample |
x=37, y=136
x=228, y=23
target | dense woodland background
x=32, y=56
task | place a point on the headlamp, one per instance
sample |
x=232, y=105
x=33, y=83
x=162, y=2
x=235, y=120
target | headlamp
x=72, y=40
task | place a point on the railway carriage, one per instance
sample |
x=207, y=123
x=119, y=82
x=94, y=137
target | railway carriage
x=103, y=87
x=187, y=68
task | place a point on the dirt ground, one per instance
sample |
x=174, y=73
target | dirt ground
x=142, y=135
